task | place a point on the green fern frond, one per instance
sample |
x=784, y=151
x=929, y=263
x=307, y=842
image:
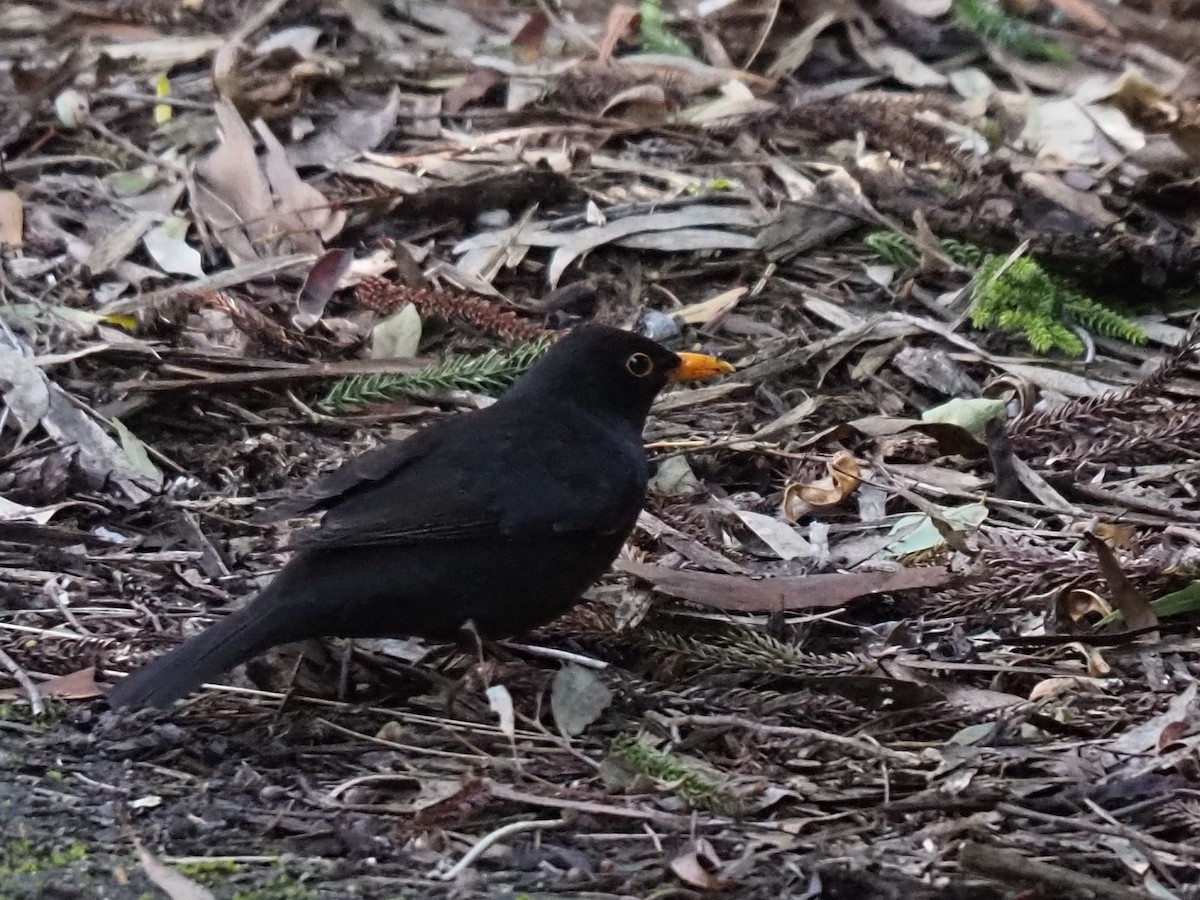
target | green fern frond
x=898, y=250
x=692, y=786
x=490, y=373
x=1102, y=320
x=893, y=248
x=992, y=25
x=1024, y=299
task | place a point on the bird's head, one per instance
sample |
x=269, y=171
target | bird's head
x=612, y=371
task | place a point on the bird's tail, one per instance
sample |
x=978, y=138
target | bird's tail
x=223, y=645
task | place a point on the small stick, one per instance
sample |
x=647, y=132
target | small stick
x=494, y=837
x=26, y=683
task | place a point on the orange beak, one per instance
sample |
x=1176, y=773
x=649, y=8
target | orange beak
x=694, y=366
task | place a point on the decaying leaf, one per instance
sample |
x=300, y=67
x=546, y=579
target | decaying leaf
x=577, y=698
x=843, y=479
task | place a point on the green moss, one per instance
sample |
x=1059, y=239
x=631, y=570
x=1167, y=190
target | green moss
x=19, y=711
x=280, y=886
x=23, y=857
x=210, y=872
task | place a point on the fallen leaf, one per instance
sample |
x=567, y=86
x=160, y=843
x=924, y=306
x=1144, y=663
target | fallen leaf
x=970, y=414
x=779, y=536
x=621, y=24
x=398, y=336
x=25, y=389
x=577, y=698
x=698, y=866
x=1134, y=605
x=12, y=219
x=167, y=245
x=322, y=280
x=175, y=884
x=500, y=702
x=734, y=592
x=926, y=534
x=845, y=475
x=714, y=307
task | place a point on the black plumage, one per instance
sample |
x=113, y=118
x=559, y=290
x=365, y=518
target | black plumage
x=501, y=516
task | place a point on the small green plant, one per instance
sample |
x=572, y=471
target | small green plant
x=992, y=25
x=210, y=872
x=490, y=373
x=692, y=786
x=654, y=36
x=900, y=251
x=280, y=886
x=22, y=857
x=1024, y=299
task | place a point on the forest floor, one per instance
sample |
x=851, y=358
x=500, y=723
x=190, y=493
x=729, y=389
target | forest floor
x=910, y=611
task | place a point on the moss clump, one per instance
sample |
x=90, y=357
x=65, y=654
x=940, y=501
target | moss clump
x=280, y=886
x=22, y=857
x=209, y=872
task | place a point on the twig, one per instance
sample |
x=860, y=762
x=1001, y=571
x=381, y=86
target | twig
x=856, y=747
x=494, y=837
x=1014, y=868
x=27, y=685
x=1180, y=848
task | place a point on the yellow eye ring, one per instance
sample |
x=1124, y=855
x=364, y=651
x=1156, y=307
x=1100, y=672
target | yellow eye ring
x=639, y=365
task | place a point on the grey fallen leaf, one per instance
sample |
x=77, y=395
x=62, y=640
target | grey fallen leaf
x=972, y=414
x=500, y=702
x=167, y=245
x=117, y=244
x=301, y=210
x=673, y=476
x=100, y=458
x=19, y=512
x=351, y=132
x=577, y=698
x=398, y=336
x=175, y=884
x=779, y=536
x=897, y=61
x=24, y=388
x=232, y=192
x=136, y=450
x=689, y=239
x=690, y=217
x=937, y=370
x=301, y=39
x=700, y=215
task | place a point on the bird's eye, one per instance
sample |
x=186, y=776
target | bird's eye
x=639, y=365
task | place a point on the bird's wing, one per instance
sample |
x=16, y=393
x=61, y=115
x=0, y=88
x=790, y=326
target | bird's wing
x=496, y=482
x=357, y=475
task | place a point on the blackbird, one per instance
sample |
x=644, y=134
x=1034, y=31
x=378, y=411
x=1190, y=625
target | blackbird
x=500, y=517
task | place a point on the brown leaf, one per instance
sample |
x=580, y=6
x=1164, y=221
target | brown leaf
x=622, y=20
x=12, y=219
x=530, y=38
x=322, y=281
x=80, y=685
x=477, y=83
x=698, y=865
x=1170, y=735
x=767, y=594
x=1133, y=604
x=843, y=479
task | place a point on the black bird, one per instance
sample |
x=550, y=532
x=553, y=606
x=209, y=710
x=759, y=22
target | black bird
x=501, y=517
